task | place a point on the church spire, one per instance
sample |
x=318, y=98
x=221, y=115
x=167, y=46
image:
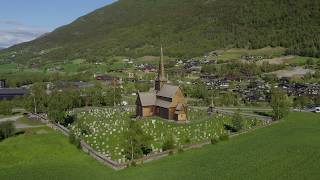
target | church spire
x=161, y=74
x=161, y=79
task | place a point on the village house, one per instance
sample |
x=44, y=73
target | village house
x=2, y=83
x=300, y=89
x=165, y=100
x=108, y=79
x=11, y=93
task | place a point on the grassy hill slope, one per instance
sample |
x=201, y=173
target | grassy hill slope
x=185, y=27
x=287, y=150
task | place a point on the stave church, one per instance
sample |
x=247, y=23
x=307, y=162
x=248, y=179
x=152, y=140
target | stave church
x=164, y=100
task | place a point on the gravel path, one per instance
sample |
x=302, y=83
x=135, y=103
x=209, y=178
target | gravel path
x=13, y=118
x=24, y=126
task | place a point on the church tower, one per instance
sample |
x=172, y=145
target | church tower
x=161, y=79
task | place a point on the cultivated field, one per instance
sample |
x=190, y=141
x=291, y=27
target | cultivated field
x=286, y=150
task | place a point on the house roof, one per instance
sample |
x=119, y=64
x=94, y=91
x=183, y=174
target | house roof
x=9, y=91
x=147, y=98
x=168, y=91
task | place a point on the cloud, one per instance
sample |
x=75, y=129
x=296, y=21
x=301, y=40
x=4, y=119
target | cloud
x=12, y=32
x=11, y=22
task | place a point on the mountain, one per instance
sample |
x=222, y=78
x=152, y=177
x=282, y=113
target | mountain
x=185, y=28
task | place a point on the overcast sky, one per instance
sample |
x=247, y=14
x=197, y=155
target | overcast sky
x=24, y=20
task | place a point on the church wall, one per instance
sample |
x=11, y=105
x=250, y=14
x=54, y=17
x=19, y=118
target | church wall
x=139, y=111
x=178, y=98
x=171, y=113
x=164, y=113
x=148, y=111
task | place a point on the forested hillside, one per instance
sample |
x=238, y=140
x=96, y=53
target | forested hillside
x=185, y=27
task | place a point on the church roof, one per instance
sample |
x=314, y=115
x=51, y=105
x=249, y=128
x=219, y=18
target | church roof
x=147, y=98
x=162, y=103
x=168, y=91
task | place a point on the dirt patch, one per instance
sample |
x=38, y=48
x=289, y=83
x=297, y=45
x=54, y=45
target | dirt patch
x=278, y=60
x=294, y=72
x=148, y=58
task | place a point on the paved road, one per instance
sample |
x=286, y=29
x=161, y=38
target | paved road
x=12, y=118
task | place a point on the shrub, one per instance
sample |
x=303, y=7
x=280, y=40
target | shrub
x=69, y=119
x=224, y=137
x=214, y=141
x=168, y=144
x=171, y=153
x=5, y=108
x=237, y=121
x=180, y=150
x=74, y=140
x=133, y=163
x=187, y=140
x=7, y=129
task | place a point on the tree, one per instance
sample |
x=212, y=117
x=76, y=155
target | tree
x=57, y=105
x=5, y=108
x=301, y=101
x=137, y=143
x=237, y=121
x=37, y=101
x=169, y=144
x=280, y=104
x=7, y=129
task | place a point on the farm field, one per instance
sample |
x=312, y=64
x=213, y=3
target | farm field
x=286, y=150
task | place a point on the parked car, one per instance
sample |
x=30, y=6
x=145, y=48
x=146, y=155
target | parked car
x=317, y=110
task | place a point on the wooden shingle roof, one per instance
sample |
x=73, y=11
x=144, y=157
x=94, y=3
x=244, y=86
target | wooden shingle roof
x=162, y=103
x=168, y=91
x=147, y=98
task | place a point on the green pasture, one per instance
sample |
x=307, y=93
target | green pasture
x=236, y=54
x=286, y=150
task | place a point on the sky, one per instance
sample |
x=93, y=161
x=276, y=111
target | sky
x=25, y=20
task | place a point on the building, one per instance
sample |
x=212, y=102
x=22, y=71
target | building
x=8, y=93
x=165, y=100
x=109, y=79
x=2, y=83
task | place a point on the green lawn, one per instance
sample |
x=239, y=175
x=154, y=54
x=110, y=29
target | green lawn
x=236, y=54
x=29, y=122
x=287, y=150
x=8, y=68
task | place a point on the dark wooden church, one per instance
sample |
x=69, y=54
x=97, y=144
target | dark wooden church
x=165, y=100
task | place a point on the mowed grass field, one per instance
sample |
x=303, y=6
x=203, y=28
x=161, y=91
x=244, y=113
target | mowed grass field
x=289, y=149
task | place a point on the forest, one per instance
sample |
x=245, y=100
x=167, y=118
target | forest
x=186, y=28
